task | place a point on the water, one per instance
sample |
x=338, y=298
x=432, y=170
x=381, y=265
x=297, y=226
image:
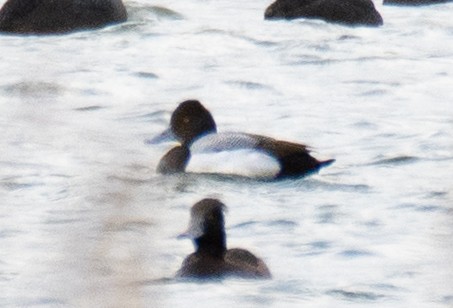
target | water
x=86, y=221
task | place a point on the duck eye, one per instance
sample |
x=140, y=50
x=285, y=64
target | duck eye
x=186, y=120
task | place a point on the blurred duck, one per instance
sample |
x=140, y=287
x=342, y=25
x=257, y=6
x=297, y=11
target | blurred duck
x=211, y=258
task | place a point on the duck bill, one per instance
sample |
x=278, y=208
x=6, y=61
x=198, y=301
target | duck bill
x=183, y=236
x=194, y=231
x=166, y=136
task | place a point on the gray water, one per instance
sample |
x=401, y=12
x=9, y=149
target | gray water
x=85, y=221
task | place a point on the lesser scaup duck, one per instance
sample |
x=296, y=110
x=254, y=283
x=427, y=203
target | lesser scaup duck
x=211, y=258
x=203, y=150
x=348, y=12
x=59, y=16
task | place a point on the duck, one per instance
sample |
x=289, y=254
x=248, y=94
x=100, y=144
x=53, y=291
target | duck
x=202, y=149
x=346, y=12
x=212, y=259
x=46, y=17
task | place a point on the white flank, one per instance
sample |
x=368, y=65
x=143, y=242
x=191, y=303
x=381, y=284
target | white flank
x=243, y=162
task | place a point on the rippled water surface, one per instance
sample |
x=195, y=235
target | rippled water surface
x=86, y=221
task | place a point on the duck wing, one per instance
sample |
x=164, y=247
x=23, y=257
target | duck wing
x=234, y=154
x=202, y=267
x=295, y=158
x=245, y=264
x=227, y=141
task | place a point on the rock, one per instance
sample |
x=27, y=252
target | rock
x=349, y=12
x=59, y=16
x=414, y=2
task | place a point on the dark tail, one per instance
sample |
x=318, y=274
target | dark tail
x=326, y=163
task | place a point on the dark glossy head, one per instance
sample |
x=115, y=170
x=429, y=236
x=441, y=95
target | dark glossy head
x=207, y=227
x=190, y=121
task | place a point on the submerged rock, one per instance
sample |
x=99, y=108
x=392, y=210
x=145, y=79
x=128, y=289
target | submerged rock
x=414, y=2
x=59, y=16
x=349, y=12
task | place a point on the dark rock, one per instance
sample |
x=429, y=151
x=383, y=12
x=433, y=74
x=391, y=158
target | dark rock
x=59, y=16
x=414, y=2
x=349, y=12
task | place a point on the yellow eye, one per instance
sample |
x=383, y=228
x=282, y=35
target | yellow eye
x=186, y=120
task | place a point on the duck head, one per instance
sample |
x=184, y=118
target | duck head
x=207, y=227
x=189, y=121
